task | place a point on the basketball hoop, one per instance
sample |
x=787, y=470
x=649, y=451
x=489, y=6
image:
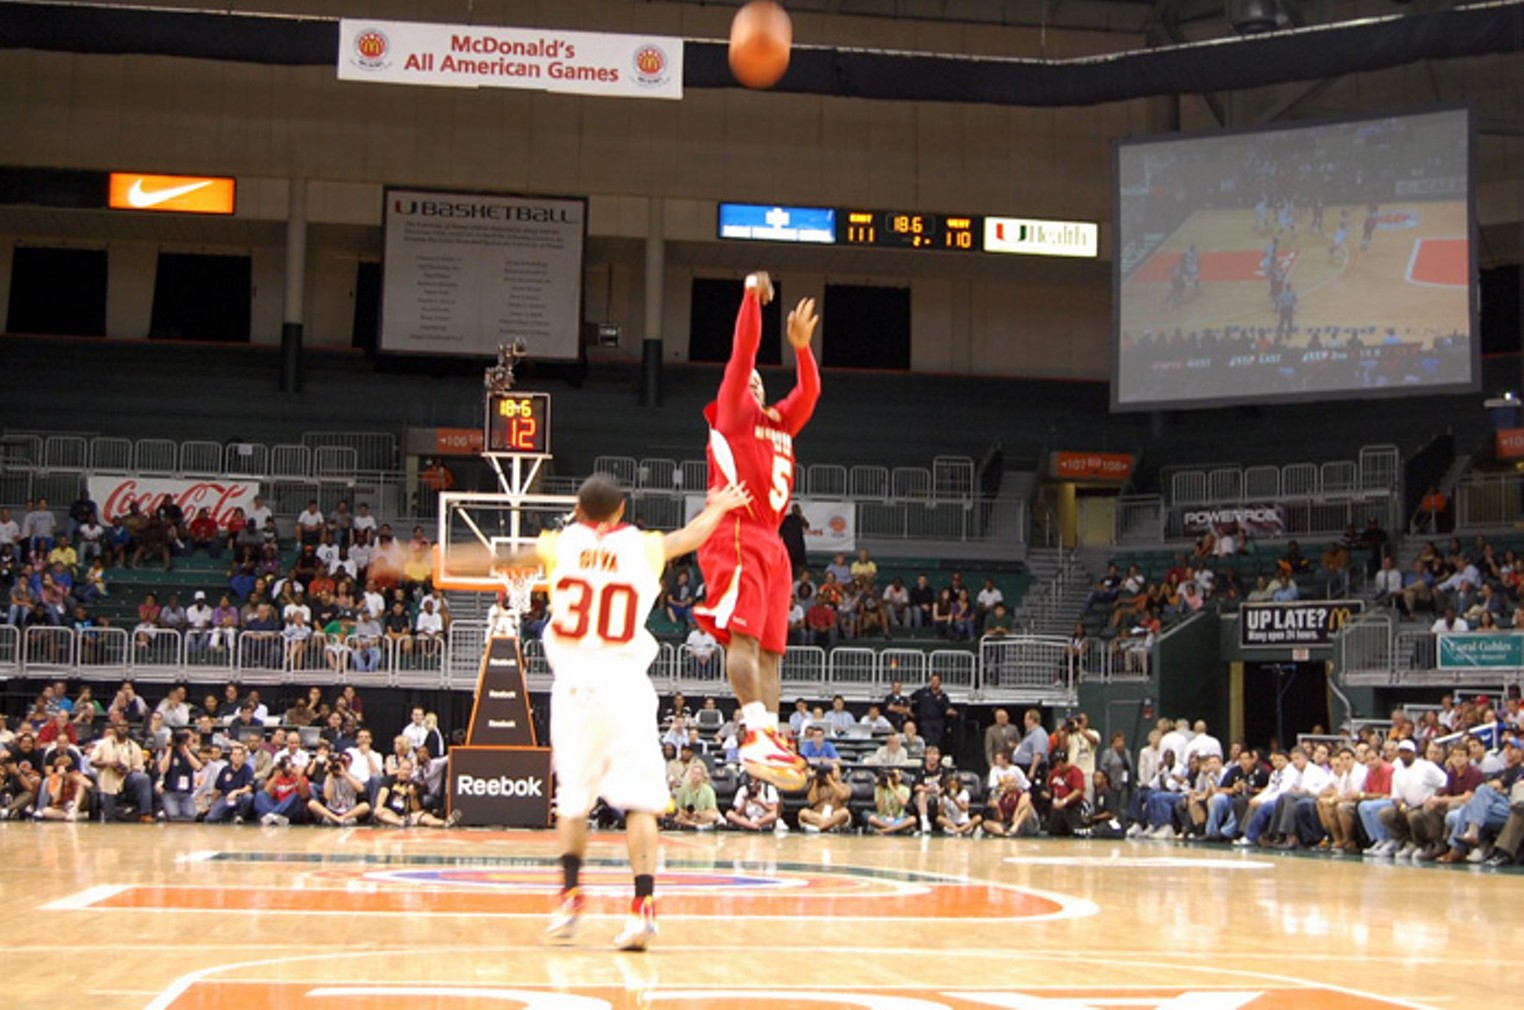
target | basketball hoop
x=519, y=586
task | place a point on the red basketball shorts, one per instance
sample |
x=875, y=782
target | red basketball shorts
x=747, y=581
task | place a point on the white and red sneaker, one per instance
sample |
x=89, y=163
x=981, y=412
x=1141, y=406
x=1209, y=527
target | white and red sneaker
x=765, y=756
x=639, y=927
x=563, y=922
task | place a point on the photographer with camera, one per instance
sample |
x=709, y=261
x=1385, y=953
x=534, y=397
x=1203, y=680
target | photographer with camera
x=828, y=796
x=756, y=807
x=284, y=793
x=399, y=801
x=118, y=763
x=957, y=816
x=177, y=778
x=22, y=777
x=697, y=807
x=341, y=803
x=67, y=789
x=891, y=804
x=233, y=790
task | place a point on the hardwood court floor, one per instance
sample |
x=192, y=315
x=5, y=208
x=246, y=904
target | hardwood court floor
x=192, y=916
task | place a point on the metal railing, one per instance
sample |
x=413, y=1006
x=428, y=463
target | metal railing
x=1017, y=668
x=1489, y=500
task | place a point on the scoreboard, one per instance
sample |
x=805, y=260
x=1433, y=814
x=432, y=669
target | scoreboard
x=896, y=229
x=517, y=423
x=907, y=229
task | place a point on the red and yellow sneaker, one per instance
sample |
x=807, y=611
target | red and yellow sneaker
x=765, y=756
x=563, y=922
x=639, y=927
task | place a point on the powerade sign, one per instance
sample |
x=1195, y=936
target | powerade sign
x=501, y=786
x=1476, y=650
x=1306, y=624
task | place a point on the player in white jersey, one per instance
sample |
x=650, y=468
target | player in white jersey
x=604, y=578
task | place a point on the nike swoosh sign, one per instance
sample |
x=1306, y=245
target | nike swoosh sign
x=143, y=200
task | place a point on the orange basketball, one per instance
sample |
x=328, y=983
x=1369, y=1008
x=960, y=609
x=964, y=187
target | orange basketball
x=760, y=38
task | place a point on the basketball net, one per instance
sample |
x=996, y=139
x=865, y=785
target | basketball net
x=518, y=587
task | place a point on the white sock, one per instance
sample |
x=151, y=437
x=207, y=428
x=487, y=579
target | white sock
x=754, y=714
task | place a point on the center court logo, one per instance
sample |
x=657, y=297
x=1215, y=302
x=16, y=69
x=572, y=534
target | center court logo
x=371, y=50
x=651, y=65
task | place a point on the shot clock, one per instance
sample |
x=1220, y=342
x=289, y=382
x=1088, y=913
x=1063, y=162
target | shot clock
x=518, y=423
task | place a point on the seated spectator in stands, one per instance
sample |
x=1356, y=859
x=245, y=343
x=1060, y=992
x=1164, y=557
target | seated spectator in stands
x=816, y=749
x=428, y=630
x=892, y=752
x=1103, y=817
x=172, y=615
x=923, y=601
x=798, y=631
x=820, y=619
x=1190, y=599
x=963, y=618
x=942, y=615
x=756, y=807
x=204, y=534
x=310, y=525
x=827, y=800
x=830, y=591
x=1415, y=781
x=65, y=791
x=1283, y=588
x=59, y=726
x=956, y=815
x=1107, y=587
x=37, y=529
x=875, y=722
x=705, y=661
x=1154, y=804
x=225, y=621
x=1064, y=795
x=178, y=766
x=119, y=769
x=679, y=598
x=1261, y=806
x=872, y=615
x=838, y=720
x=1008, y=809
x=891, y=799
x=896, y=599
x=1294, y=560
x=1129, y=605
x=1486, y=602
x=999, y=623
x=233, y=789
x=697, y=807
x=1388, y=583
x=1449, y=623
x=984, y=603
x=152, y=541
x=284, y=793
x=64, y=555
x=838, y=570
x=926, y=786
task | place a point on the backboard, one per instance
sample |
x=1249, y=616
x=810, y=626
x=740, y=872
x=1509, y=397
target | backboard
x=480, y=531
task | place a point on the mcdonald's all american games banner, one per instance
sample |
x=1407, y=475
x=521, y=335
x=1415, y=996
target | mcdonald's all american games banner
x=222, y=495
x=487, y=56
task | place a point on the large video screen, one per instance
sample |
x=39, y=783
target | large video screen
x=1311, y=262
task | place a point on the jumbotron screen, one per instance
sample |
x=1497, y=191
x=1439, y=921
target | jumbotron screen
x=1311, y=262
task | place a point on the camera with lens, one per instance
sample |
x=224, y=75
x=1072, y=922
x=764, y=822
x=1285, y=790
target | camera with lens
x=822, y=773
x=182, y=737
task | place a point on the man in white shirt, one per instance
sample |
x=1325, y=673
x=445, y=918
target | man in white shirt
x=310, y=524
x=428, y=629
x=984, y=603
x=364, y=523
x=297, y=606
x=1449, y=623
x=892, y=753
x=1262, y=803
x=299, y=758
x=1347, y=787
x=1203, y=745
x=1176, y=739
x=10, y=529
x=375, y=603
x=174, y=710
x=897, y=599
x=703, y=654
x=366, y=764
x=1388, y=582
x=1296, y=816
x=1415, y=781
x=198, y=623
x=416, y=731
x=258, y=513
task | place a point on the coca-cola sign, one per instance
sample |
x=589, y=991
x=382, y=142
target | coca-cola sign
x=115, y=494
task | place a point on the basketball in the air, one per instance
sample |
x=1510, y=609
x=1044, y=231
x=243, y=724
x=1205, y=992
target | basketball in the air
x=760, y=38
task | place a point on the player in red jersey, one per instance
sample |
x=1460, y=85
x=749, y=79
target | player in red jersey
x=747, y=575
